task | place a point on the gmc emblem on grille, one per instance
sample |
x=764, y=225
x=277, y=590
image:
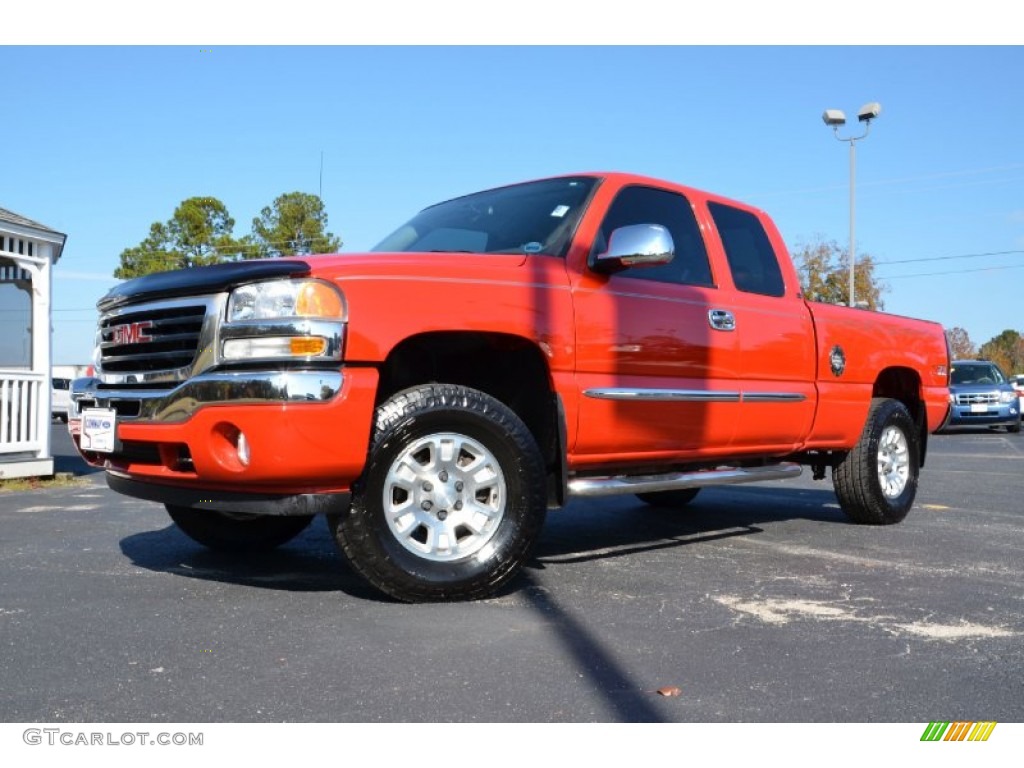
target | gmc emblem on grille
x=132, y=333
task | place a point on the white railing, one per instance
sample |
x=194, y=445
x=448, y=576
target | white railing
x=21, y=396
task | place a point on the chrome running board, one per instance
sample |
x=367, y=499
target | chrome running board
x=673, y=481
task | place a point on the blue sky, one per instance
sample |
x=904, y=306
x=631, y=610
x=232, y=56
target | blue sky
x=98, y=142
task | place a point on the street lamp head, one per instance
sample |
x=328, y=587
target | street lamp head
x=869, y=112
x=834, y=117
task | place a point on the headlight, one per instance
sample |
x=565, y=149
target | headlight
x=952, y=398
x=284, y=320
x=1007, y=397
x=278, y=299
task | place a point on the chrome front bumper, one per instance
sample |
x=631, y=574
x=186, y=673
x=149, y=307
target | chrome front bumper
x=209, y=389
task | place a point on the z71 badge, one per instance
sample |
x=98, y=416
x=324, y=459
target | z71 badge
x=838, y=360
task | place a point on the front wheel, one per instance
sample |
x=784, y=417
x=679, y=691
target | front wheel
x=452, y=499
x=876, y=482
x=240, y=533
x=1014, y=428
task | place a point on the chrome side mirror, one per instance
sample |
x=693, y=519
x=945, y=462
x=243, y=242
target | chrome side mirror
x=636, y=245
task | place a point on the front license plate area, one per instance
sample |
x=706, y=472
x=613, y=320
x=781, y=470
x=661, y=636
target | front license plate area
x=99, y=430
x=979, y=408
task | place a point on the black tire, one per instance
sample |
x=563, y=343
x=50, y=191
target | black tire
x=1014, y=428
x=889, y=445
x=669, y=499
x=421, y=529
x=226, y=532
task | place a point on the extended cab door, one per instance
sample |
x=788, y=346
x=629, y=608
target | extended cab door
x=656, y=379
x=773, y=328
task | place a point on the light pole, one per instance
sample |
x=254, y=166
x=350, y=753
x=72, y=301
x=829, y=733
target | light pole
x=836, y=118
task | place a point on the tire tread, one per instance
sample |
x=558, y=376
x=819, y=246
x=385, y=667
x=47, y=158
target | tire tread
x=355, y=532
x=856, y=477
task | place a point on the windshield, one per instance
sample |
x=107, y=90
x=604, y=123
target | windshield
x=977, y=373
x=537, y=217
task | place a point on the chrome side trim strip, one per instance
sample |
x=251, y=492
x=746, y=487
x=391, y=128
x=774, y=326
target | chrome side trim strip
x=686, y=395
x=693, y=395
x=774, y=397
x=210, y=389
x=621, y=484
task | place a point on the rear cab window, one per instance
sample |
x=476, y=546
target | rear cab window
x=752, y=260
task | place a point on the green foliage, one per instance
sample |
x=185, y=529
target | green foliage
x=1005, y=350
x=295, y=223
x=198, y=233
x=824, y=269
x=960, y=345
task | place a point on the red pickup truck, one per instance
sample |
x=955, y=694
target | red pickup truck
x=496, y=355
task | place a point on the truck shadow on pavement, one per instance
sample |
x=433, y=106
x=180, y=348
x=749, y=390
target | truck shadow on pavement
x=583, y=531
x=308, y=563
x=600, y=529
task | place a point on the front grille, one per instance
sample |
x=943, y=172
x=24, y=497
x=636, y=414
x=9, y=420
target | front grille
x=150, y=340
x=987, y=398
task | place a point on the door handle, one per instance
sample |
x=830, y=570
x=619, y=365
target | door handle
x=721, y=320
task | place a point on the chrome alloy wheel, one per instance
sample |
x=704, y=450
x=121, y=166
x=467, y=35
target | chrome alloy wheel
x=444, y=497
x=893, y=462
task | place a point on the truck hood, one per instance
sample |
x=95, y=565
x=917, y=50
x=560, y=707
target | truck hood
x=438, y=264
x=221, y=277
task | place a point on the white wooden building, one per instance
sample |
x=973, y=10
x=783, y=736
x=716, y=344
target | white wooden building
x=28, y=251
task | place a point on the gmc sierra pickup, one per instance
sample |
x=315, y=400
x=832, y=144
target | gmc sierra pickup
x=496, y=355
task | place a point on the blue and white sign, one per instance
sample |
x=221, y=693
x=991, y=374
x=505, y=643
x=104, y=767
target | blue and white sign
x=99, y=429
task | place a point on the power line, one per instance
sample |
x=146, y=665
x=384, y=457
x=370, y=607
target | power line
x=236, y=250
x=909, y=180
x=236, y=247
x=946, y=258
x=953, y=272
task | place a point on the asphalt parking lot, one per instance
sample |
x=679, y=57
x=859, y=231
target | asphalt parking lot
x=756, y=604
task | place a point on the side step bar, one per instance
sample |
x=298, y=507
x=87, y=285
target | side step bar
x=672, y=481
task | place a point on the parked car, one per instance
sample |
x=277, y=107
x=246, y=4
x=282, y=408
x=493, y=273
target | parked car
x=60, y=398
x=981, y=395
x=1017, y=382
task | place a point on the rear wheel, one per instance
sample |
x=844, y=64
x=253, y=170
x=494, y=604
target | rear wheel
x=877, y=481
x=230, y=532
x=671, y=499
x=452, y=499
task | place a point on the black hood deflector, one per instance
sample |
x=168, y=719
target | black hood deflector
x=200, y=280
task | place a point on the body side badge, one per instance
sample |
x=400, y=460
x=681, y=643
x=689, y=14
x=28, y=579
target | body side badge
x=838, y=360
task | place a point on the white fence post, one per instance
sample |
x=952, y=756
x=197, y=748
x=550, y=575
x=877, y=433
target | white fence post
x=21, y=397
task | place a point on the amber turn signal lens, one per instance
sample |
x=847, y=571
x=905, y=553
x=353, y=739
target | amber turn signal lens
x=318, y=300
x=307, y=346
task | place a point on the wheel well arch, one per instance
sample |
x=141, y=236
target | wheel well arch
x=904, y=384
x=510, y=368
